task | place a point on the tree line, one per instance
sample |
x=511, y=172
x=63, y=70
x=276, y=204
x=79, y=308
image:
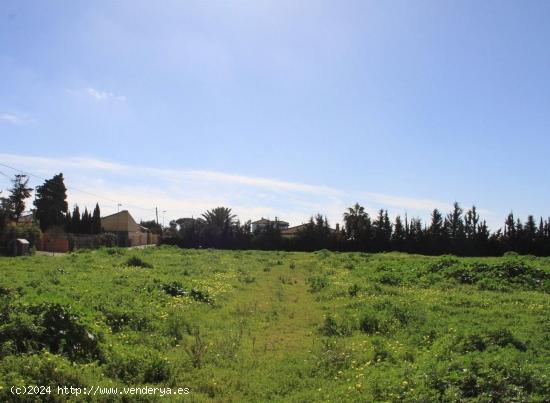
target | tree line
x=460, y=232
x=50, y=210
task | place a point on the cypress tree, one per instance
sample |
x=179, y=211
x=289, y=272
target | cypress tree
x=86, y=222
x=96, y=220
x=76, y=221
x=51, y=202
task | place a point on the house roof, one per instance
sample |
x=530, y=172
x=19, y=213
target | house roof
x=120, y=213
x=292, y=230
x=266, y=221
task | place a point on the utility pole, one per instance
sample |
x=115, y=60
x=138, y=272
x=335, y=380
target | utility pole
x=157, y=214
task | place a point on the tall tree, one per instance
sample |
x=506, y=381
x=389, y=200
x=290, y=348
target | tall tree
x=357, y=224
x=398, y=235
x=96, y=220
x=471, y=220
x=86, y=222
x=76, y=222
x=19, y=193
x=51, y=202
x=436, y=232
x=6, y=212
x=454, y=224
x=529, y=234
x=219, y=217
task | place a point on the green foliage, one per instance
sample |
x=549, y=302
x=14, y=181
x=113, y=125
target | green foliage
x=107, y=239
x=397, y=327
x=51, y=326
x=317, y=283
x=51, y=202
x=136, y=261
x=175, y=289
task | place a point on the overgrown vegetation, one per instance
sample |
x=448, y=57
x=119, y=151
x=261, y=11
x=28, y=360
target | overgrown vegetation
x=321, y=326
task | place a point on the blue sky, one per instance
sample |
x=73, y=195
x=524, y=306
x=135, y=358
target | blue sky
x=281, y=108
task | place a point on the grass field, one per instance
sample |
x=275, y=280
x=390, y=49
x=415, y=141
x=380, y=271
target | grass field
x=277, y=326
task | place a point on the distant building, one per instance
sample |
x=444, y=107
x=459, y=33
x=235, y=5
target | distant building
x=293, y=231
x=128, y=232
x=27, y=218
x=264, y=223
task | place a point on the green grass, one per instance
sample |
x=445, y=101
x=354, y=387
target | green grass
x=278, y=326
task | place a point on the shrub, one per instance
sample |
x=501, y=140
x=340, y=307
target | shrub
x=106, y=239
x=157, y=370
x=51, y=326
x=481, y=341
x=115, y=251
x=201, y=296
x=389, y=279
x=136, y=261
x=369, y=323
x=174, y=289
x=354, y=290
x=317, y=283
x=120, y=319
x=331, y=327
x=197, y=350
x=443, y=263
x=333, y=357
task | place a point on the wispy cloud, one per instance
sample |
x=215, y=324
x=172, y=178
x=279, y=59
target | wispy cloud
x=98, y=95
x=16, y=119
x=186, y=192
x=404, y=202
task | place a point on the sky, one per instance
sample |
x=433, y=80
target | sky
x=280, y=108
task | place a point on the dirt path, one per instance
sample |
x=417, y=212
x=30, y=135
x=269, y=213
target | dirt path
x=291, y=314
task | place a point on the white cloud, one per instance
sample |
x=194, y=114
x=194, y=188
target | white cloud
x=15, y=119
x=98, y=95
x=187, y=192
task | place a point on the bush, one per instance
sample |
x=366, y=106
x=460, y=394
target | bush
x=120, y=319
x=481, y=341
x=333, y=328
x=157, y=370
x=201, y=296
x=136, y=261
x=333, y=357
x=317, y=283
x=369, y=323
x=388, y=316
x=107, y=239
x=354, y=290
x=174, y=289
x=51, y=326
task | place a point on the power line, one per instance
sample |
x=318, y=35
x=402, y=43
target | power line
x=73, y=188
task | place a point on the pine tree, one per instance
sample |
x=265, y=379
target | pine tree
x=454, y=224
x=530, y=234
x=398, y=235
x=471, y=219
x=436, y=232
x=19, y=193
x=510, y=228
x=51, y=202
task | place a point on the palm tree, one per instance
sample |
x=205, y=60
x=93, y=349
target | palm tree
x=219, y=217
x=356, y=220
